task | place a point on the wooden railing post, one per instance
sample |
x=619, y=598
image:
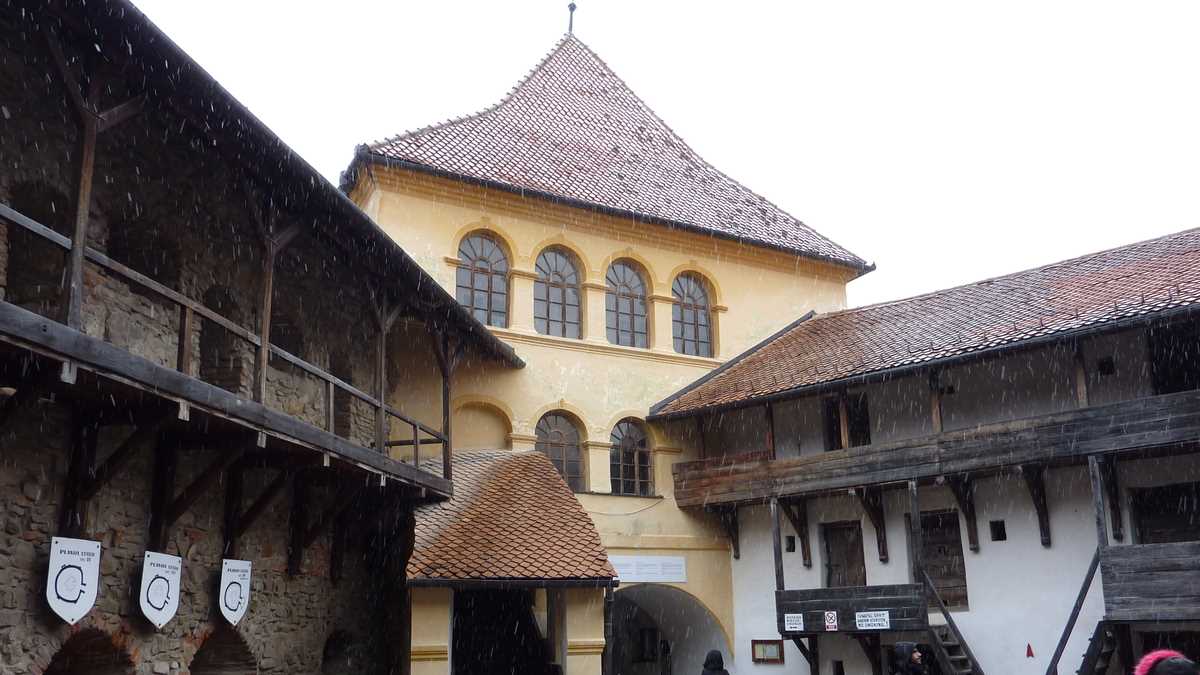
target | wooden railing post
x=914, y=507
x=1098, y=500
x=447, y=359
x=385, y=316
x=187, y=327
x=776, y=547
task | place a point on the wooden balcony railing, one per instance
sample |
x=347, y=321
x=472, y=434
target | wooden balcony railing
x=189, y=309
x=853, y=609
x=1059, y=437
x=1151, y=582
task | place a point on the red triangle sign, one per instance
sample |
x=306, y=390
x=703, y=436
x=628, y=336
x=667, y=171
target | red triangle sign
x=1028, y=651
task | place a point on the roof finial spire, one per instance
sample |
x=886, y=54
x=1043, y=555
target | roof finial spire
x=571, y=19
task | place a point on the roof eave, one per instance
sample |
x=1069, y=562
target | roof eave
x=364, y=154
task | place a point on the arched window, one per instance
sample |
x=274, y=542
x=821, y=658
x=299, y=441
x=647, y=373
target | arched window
x=629, y=460
x=691, y=320
x=556, y=295
x=625, y=305
x=558, y=439
x=482, y=279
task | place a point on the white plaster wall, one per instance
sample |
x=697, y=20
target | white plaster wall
x=1019, y=592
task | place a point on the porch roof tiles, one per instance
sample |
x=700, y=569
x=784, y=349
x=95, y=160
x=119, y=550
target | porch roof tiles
x=1082, y=293
x=512, y=517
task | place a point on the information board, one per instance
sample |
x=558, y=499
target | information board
x=793, y=623
x=159, y=596
x=235, y=589
x=73, y=577
x=650, y=568
x=873, y=620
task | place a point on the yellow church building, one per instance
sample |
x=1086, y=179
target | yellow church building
x=621, y=267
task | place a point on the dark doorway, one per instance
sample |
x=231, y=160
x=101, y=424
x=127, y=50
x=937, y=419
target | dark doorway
x=1167, y=514
x=1183, y=641
x=495, y=633
x=844, y=562
x=942, y=555
x=90, y=652
x=224, y=653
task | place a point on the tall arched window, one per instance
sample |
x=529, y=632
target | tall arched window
x=558, y=439
x=629, y=460
x=482, y=279
x=625, y=305
x=556, y=295
x=691, y=319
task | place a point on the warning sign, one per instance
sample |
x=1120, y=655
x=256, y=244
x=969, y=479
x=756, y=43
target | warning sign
x=73, y=578
x=235, y=589
x=831, y=621
x=873, y=620
x=793, y=623
x=159, y=595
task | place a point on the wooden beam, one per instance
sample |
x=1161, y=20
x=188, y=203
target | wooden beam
x=260, y=505
x=917, y=533
x=796, y=511
x=297, y=524
x=776, y=547
x=337, y=546
x=1081, y=384
x=264, y=327
x=700, y=437
x=447, y=358
x=799, y=642
x=935, y=401
x=1094, y=472
x=187, y=328
x=770, y=430
x=727, y=516
x=963, y=489
x=843, y=419
x=871, y=499
x=73, y=513
x=166, y=462
x=1112, y=490
x=145, y=432
x=70, y=83
x=197, y=488
x=121, y=112
x=871, y=648
x=234, y=480
x=1034, y=475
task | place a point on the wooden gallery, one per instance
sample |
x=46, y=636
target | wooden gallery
x=198, y=396
x=1004, y=472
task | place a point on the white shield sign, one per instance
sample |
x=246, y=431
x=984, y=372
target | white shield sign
x=73, y=578
x=235, y=589
x=159, y=596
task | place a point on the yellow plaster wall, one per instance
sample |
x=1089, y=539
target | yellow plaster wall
x=431, y=630
x=754, y=292
x=585, y=630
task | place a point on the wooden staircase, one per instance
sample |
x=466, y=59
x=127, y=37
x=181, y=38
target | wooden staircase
x=951, y=657
x=1100, y=651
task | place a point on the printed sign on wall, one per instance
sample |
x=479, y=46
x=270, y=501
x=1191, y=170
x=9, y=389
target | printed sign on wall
x=653, y=568
x=873, y=620
x=159, y=596
x=235, y=589
x=793, y=623
x=73, y=578
x=831, y=621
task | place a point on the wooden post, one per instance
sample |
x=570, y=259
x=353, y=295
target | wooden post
x=872, y=503
x=776, y=547
x=166, y=461
x=233, y=510
x=935, y=401
x=1112, y=489
x=962, y=487
x=385, y=316
x=606, y=667
x=447, y=360
x=914, y=509
x=1098, y=500
x=796, y=510
x=1081, y=385
x=297, y=524
x=770, y=430
x=700, y=437
x=1035, y=480
x=330, y=397
x=844, y=420
x=264, y=324
x=73, y=515
x=187, y=328
x=83, y=204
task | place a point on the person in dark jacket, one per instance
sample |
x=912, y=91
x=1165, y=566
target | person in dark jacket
x=1165, y=662
x=714, y=664
x=908, y=660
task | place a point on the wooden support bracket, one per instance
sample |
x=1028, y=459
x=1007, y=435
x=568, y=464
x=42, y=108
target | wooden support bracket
x=1034, y=475
x=145, y=433
x=197, y=488
x=963, y=489
x=268, y=495
x=727, y=515
x=347, y=498
x=872, y=503
x=796, y=511
x=872, y=649
x=1112, y=490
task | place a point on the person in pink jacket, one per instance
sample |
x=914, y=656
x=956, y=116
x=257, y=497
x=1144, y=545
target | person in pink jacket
x=1166, y=662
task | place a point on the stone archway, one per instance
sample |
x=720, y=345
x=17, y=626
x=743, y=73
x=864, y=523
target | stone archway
x=224, y=653
x=645, y=616
x=90, y=652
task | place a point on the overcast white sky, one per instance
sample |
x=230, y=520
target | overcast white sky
x=945, y=141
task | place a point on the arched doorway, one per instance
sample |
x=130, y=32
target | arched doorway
x=90, y=652
x=343, y=655
x=662, y=630
x=224, y=653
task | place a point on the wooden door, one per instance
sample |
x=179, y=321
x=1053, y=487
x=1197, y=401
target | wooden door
x=1167, y=514
x=844, y=562
x=942, y=555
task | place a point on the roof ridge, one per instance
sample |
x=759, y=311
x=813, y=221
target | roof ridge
x=1000, y=277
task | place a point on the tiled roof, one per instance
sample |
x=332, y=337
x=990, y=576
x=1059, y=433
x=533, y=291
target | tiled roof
x=1122, y=283
x=512, y=517
x=572, y=130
